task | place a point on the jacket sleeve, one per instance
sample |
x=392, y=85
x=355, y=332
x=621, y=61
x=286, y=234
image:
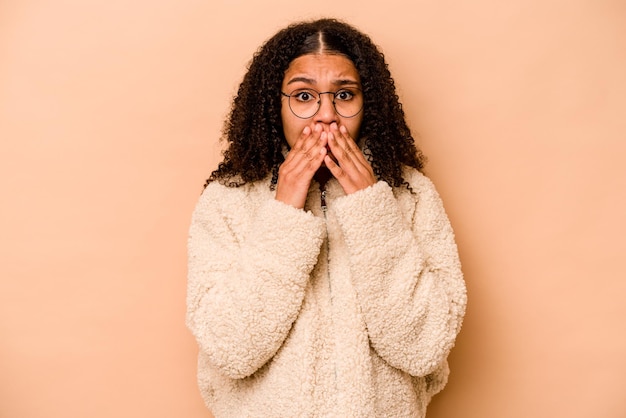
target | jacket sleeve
x=406, y=273
x=245, y=288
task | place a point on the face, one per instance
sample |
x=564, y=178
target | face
x=322, y=73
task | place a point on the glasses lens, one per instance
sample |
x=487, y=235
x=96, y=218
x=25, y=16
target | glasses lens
x=348, y=102
x=305, y=103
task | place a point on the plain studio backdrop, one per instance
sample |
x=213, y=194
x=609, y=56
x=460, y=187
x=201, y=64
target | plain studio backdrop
x=110, y=115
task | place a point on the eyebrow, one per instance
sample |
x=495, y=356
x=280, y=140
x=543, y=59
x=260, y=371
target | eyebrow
x=341, y=82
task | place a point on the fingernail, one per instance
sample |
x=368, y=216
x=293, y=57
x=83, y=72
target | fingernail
x=306, y=130
x=318, y=127
x=343, y=129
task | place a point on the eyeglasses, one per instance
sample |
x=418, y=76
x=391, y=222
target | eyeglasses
x=305, y=103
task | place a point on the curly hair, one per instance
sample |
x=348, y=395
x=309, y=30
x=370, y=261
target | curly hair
x=254, y=131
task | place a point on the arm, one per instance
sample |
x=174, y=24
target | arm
x=246, y=285
x=406, y=273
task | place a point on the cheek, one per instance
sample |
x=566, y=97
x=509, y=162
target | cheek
x=287, y=126
x=292, y=127
x=354, y=127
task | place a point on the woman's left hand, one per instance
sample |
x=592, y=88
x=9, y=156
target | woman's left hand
x=351, y=169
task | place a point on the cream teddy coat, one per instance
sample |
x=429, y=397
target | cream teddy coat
x=347, y=310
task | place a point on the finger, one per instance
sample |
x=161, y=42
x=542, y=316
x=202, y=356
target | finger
x=350, y=149
x=334, y=168
x=343, y=142
x=339, y=162
x=305, y=145
x=308, y=133
x=350, y=145
x=339, y=146
x=314, y=141
x=306, y=158
x=352, y=169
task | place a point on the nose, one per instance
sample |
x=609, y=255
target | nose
x=326, y=113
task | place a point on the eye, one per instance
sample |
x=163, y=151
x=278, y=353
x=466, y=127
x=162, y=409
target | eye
x=303, y=95
x=344, y=95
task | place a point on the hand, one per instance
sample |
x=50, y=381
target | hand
x=304, y=159
x=351, y=169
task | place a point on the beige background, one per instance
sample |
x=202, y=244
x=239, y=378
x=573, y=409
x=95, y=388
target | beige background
x=109, y=117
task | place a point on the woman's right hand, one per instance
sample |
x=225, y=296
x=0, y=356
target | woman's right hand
x=304, y=159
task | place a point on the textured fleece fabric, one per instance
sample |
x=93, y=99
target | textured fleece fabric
x=304, y=313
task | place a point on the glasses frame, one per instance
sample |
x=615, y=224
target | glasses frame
x=319, y=102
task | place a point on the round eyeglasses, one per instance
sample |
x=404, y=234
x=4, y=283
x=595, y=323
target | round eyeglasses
x=305, y=103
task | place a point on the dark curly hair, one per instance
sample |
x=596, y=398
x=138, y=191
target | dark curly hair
x=254, y=128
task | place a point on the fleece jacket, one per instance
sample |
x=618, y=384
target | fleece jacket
x=347, y=309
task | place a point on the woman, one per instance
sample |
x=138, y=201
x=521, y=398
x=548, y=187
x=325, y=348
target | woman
x=324, y=279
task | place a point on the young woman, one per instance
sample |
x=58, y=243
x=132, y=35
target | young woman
x=324, y=279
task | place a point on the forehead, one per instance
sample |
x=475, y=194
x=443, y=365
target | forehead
x=320, y=68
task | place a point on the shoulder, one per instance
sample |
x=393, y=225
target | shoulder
x=416, y=179
x=219, y=198
x=421, y=198
x=417, y=186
